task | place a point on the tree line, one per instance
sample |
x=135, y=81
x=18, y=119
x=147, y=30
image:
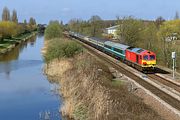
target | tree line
x=160, y=36
x=10, y=26
x=92, y=27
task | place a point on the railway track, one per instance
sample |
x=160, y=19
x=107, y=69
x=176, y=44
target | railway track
x=158, y=92
x=165, y=82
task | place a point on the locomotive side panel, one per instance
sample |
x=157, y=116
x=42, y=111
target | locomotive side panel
x=130, y=56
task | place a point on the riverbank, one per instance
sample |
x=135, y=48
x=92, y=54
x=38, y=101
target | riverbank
x=8, y=44
x=91, y=92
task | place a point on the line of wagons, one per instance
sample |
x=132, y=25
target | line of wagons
x=141, y=59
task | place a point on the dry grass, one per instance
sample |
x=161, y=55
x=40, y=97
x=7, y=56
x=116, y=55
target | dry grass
x=89, y=93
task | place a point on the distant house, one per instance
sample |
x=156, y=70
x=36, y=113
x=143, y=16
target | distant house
x=172, y=37
x=111, y=31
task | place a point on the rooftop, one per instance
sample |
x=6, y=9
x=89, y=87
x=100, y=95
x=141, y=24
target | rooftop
x=112, y=27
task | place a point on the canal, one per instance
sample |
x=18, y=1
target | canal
x=25, y=93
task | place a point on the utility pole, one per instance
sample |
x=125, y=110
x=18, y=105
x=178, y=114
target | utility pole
x=173, y=57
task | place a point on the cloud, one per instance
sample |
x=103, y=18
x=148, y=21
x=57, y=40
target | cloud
x=66, y=9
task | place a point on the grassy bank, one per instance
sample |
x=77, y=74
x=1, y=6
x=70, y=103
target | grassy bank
x=88, y=87
x=90, y=93
x=8, y=44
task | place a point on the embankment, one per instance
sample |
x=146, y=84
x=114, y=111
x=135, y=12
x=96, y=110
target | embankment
x=90, y=93
x=8, y=44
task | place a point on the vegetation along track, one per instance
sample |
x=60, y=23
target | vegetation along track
x=161, y=94
x=164, y=82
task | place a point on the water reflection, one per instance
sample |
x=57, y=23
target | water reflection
x=10, y=62
x=11, y=55
x=7, y=67
x=32, y=41
x=14, y=54
x=48, y=115
x=40, y=35
x=25, y=93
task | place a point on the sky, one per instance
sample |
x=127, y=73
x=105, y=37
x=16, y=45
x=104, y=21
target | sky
x=45, y=10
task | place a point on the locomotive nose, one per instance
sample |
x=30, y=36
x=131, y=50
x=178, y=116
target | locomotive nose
x=152, y=63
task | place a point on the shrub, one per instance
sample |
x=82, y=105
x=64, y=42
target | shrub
x=8, y=29
x=60, y=48
x=53, y=30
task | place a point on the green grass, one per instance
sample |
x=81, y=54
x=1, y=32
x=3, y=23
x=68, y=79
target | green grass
x=22, y=36
x=62, y=48
x=5, y=44
x=117, y=82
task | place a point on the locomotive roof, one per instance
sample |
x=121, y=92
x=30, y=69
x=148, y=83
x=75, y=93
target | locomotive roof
x=116, y=45
x=136, y=50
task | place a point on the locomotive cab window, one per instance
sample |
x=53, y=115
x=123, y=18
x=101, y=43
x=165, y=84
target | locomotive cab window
x=145, y=57
x=152, y=57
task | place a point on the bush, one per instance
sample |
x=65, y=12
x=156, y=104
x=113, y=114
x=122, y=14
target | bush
x=60, y=48
x=8, y=29
x=53, y=30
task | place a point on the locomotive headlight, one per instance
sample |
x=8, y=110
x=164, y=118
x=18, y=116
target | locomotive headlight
x=144, y=63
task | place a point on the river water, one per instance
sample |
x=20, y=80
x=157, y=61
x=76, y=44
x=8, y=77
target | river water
x=25, y=93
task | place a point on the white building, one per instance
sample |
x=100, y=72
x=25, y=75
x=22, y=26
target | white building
x=172, y=37
x=112, y=31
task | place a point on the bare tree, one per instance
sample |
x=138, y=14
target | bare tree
x=159, y=21
x=130, y=30
x=96, y=23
